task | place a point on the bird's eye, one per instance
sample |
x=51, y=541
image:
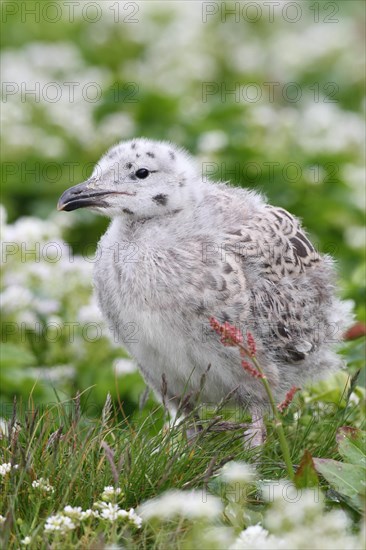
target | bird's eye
x=142, y=173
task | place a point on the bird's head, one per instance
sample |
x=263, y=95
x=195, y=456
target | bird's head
x=139, y=179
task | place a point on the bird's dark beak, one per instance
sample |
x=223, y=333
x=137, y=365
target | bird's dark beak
x=81, y=196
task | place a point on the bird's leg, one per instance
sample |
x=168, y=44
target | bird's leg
x=181, y=406
x=194, y=428
x=255, y=435
x=190, y=417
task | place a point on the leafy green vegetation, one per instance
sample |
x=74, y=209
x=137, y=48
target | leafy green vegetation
x=58, y=456
x=269, y=103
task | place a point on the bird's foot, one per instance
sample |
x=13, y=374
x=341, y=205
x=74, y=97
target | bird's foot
x=255, y=434
x=192, y=431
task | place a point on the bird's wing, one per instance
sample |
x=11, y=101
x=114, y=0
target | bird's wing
x=277, y=243
x=277, y=260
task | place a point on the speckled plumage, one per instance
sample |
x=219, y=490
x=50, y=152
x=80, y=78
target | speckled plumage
x=180, y=250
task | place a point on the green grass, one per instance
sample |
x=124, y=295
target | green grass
x=79, y=456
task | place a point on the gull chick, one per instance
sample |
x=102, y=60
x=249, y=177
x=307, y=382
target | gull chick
x=180, y=250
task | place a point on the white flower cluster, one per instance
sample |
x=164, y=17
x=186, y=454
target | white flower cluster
x=287, y=521
x=76, y=513
x=292, y=515
x=43, y=485
x=238, y=472
x=59, y=523
x=4, y=427
x=112, y=512
x=41, y=279
x=187, y=504
x=6, y=468
x=256, y=538
x=40, y=270
x=286, y=53
x=67, y=93
x=110, y=492
x=72, y=516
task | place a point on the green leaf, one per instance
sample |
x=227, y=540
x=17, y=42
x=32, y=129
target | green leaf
x=306, y=475
x=16, y=356
x=351, y=445
x=346, y=479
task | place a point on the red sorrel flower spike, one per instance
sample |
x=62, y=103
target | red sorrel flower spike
x=251, y=370
x=215, y=325
x=289, y=397
x=251, y=344
x=230, y=335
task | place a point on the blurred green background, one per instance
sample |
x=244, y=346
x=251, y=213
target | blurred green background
x=267, y=95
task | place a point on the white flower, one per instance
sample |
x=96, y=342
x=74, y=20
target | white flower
x=115, y=126
x=292, y=515
x=4, y=427
x=44, y=306
x=109, y=492
x=28, y=319
x=109, y=511
x=5, y=468
x=3, y=216
x=60, y=523
x=131, y=516
x=256, y=538
x=113, y=512
x=2, y=520
x=238, y=471
x=86, y=514
x=355, y=177
x=355, y=236
x=90, y=313
x=134, y=518
x=291, y=507
x=74, y=512
x=26, y=541
x=189, y=504
x=124, y=366
x=15, y=298
x=37, y=63
x=53, y=374
x=217, y=536
x=43, y=485
x=212, y=141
